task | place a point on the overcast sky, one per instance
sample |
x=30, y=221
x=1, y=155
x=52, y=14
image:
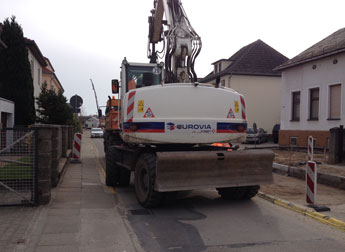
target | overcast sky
x=88, y=39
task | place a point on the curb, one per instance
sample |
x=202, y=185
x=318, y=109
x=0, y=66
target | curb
x=63, y=161
x=304, y=211
x=101, y=167
x=322, y=178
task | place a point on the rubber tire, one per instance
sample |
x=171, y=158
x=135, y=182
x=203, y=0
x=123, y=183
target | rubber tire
x=238, y=193
x=105, y=142
x=125, y=177
x=251, y=192
x=146, y=170
x=112, y=171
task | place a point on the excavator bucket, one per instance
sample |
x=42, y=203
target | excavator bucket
x=176, y=171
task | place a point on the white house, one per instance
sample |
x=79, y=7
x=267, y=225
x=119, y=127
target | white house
x=313, y=92
x=37, y=63
x=92, y=122
x=250, y=72
x=6, y=113
x=6, y=121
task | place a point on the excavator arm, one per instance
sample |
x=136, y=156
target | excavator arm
x=181, y=44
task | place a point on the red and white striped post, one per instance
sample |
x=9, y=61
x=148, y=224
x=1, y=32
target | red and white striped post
x=311, y=181
x=310, y=148
x=76, y=148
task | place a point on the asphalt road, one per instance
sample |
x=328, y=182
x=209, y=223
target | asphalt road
x=200, y=221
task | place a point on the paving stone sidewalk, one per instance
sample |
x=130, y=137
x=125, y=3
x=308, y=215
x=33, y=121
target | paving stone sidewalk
x=82, y=215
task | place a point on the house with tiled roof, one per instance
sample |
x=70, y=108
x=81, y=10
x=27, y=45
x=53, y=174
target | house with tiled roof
x=37, y=63
x=250, y=72
x=313, y=92
x=49, y=77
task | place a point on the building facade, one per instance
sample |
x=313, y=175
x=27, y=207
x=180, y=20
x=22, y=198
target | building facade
x=91, y=122
x=250, y=72
x=49, y=77
x=313, y=93
x=37, y=63
x=6, y=113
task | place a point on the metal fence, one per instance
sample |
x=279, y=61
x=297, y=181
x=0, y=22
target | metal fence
x=18, y=167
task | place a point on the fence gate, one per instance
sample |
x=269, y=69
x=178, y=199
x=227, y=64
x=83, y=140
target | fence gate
x=18, y=167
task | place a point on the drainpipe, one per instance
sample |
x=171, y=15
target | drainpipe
x=341, y=140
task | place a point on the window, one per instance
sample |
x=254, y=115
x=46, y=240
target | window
x=334, y=102
x=141, y=76
x=296, y=106
x=314, y=104
x=293, y=141
x=215, y=68
x=220, y=67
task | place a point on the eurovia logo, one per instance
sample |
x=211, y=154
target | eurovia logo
x=202, y=127
x=194, y=126
x=170, y=126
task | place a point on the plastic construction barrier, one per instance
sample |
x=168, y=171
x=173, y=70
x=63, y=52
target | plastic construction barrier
x=76, y=148
x=310, y=148
x=311, y=180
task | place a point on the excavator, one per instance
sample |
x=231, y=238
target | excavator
x=173, y=132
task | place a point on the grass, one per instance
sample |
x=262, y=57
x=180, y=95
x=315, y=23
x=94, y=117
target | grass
x=14, y=171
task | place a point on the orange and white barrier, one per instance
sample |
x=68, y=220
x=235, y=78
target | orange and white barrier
x=76, y=147
x=311, y=181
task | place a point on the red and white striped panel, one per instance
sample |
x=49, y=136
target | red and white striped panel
x=243, y=108
x=311, y=179
x=77, y=146
x=310, y=148
x=130, y=106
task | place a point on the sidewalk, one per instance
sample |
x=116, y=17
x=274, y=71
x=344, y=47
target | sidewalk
x=82, y=215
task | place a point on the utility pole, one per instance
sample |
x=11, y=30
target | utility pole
x=93, y=87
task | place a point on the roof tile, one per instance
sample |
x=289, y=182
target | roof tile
x=333, y=44
x=257, y=58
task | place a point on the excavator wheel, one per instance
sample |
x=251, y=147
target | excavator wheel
x=144, y=181
x=112, y=171
x=251, y=192
x=125, y=176
x=238, y=193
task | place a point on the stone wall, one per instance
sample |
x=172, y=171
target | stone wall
x=52, y=145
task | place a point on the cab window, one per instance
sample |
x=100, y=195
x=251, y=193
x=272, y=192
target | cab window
x=142, y=76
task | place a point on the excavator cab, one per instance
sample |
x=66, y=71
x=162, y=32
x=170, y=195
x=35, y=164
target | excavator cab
x=142, y=75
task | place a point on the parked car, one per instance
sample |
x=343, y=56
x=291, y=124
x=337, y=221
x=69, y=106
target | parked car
x=275, y=133
x=259, y=136
x=96, y=132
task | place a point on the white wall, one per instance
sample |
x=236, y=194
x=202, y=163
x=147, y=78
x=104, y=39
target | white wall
x=92, y=122
x=7, y=107
x=36, y=73
x=262, y=96
x=302, y=78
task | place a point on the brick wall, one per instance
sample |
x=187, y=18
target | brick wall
x=321, y=137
